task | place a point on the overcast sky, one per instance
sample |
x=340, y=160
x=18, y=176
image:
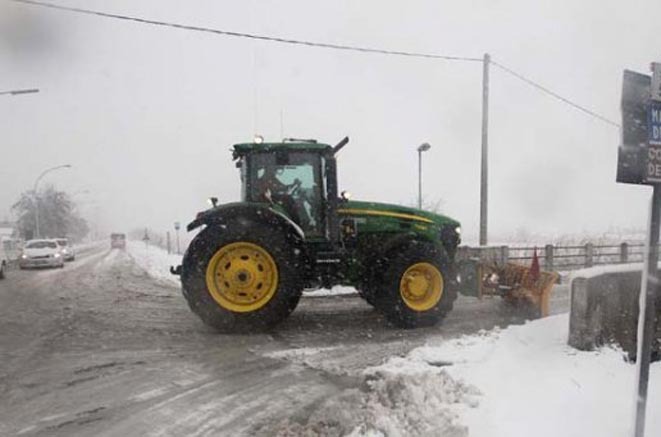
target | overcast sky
x=146, y=115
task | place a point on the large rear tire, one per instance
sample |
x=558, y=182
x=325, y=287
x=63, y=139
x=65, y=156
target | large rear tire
x=242, y=278
x=416, y=287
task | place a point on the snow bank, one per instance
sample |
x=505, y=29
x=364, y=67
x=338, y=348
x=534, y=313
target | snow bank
x=515, y=382
x=154, y=260
x=531, y=382
x=389, y=404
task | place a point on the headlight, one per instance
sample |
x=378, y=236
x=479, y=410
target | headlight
x=458, y=230
x=24, y=256
x=57, y=255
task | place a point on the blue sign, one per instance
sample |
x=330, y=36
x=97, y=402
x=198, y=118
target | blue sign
x=654, y=123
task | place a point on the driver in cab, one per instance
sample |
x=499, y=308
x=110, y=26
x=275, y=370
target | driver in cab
x=271, y=189
x=269, y=184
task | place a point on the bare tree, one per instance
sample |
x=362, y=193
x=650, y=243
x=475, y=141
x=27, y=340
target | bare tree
x=57, y=217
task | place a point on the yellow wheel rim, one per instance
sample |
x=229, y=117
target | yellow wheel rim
x=242, y=277
x=421, y=286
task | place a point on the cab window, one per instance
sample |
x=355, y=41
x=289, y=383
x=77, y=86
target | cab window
x=293, y=181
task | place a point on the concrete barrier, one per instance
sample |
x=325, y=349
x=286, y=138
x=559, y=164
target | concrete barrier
x=604, y=309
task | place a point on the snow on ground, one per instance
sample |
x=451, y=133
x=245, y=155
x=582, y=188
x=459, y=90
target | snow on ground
x=514, y=382
x=154, y=260
x=530, y=381
x=389, y=404
x=335, y=291
x=503, y=383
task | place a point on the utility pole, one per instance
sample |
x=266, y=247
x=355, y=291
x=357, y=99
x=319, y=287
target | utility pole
x=484, y=186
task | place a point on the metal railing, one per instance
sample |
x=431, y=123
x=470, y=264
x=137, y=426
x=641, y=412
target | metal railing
x=560, y=258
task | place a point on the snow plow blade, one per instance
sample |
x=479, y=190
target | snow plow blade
x=519, y=286
x=486, y=271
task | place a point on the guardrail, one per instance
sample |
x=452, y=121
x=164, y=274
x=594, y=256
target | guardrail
x=562, y=258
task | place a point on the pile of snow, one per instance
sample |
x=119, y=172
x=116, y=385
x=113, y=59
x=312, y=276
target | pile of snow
x=513, y=382
x=532, y=382
x=154, y=260
x=389, y=404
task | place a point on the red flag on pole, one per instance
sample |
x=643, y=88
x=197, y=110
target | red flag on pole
x=534, y=267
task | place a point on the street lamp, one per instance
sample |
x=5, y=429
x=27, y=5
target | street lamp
x=36, y=196
x=421, y=148
x=17, y=92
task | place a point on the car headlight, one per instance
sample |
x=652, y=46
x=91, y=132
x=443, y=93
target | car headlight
x=57, y=255
x=458, y=230
x=24, y=256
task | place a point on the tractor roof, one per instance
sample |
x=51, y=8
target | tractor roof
x=246, y=148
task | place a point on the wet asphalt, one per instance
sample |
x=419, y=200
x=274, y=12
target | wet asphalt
x=100, y=348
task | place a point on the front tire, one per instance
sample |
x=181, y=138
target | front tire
x=416, y=287
x=241, y=278
x=2, y=270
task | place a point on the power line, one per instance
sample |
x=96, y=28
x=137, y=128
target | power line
x=248, y=35
x=554, y=94
x=318, y=45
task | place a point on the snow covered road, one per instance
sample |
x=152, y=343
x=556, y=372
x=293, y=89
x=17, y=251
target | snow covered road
x=104, y=348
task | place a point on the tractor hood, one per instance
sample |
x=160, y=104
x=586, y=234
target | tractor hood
x=390, y=211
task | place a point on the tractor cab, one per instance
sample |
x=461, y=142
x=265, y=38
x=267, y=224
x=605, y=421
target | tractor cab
x=296, y=177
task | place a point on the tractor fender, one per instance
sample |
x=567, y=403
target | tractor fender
x=224, y=215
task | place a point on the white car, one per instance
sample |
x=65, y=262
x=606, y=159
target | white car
x=41, y=253
x=66, y=248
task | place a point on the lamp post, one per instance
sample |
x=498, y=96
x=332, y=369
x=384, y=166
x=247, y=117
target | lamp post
x=17, y=92
x=36, y=196
x=421, y=148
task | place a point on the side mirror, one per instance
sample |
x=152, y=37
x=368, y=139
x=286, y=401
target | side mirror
x=213, y=201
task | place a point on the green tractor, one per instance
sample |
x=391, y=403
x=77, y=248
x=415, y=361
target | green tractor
x=292, y=230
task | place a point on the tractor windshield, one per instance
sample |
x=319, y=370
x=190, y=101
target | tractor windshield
x=293, y=181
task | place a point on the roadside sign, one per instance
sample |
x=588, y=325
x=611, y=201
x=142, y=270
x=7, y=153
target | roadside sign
x=654, y=123
x=632, y=153
x=177, y=226
x=656, y=81
x=635, y=98
x=653, y=153
x=653, y=175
